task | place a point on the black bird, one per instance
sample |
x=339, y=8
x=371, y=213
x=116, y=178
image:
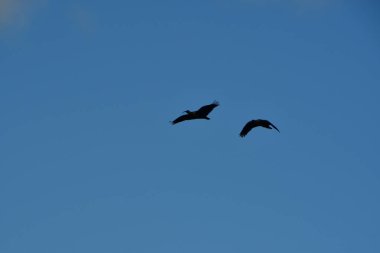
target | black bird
x=201, y=113
x=255, y=123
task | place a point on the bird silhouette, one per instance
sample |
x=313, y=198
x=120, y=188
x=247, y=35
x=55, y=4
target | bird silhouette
x=256, y=123
x=201, y=113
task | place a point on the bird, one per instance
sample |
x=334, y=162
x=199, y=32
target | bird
x=255, y=123
x=201, y=113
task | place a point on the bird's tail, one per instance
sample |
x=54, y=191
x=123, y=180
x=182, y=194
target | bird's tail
x=274, y=127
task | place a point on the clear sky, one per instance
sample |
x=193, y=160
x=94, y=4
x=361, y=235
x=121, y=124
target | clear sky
x=90, y=163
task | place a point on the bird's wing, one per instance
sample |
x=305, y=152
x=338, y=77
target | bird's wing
x=181, y=118
x=205, y=110
x=251, y=124
x=274, y=126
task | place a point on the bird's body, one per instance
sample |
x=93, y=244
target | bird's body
x=256, y=123
x=201, y=113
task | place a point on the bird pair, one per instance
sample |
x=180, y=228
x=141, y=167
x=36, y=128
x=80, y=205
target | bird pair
x=203, y=112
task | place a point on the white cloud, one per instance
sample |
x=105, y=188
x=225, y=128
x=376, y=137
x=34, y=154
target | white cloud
x=304, y=4
x=8, y=10
x=82, y=18
x=15, y=12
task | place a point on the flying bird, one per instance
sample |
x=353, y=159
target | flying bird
x=256, y=123
x=201, y=113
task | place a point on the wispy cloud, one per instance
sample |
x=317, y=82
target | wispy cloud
x=15, y=12
x=82, y=18
x=9, y=9
x=304, y=4
x=312, y=3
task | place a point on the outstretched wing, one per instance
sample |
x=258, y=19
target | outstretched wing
x=205, y=110
x=251, y=124
x=274, y=126
x=181, y=118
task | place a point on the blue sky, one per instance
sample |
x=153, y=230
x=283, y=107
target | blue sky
x=90, y=163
